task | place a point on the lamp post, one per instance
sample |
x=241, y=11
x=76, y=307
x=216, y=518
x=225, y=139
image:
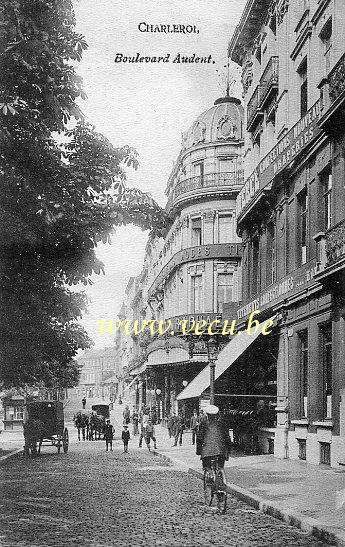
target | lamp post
x=212, y=354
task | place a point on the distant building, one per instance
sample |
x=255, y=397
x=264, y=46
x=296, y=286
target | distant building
x=100, y=372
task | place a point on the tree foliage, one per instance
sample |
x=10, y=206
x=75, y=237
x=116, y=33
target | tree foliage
x=57, y=200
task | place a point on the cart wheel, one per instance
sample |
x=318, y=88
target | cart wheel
x=65, y=440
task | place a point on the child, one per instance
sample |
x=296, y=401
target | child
x=125, y=437
x=150, y=434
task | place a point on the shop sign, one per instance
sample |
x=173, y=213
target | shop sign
x=220, y=250
x=284, y=153
x=288, y=286
x=176, y=322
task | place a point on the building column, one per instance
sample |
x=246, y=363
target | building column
x=281, y=447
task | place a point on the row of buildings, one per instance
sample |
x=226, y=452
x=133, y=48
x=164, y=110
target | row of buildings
x=257, y=205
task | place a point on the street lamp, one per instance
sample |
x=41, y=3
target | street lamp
x=212, y=354
x=158, y=392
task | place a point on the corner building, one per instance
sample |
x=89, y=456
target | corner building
x=290, y=212
x=195, y=270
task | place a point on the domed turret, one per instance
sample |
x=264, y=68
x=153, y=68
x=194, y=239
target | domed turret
x=221, y=122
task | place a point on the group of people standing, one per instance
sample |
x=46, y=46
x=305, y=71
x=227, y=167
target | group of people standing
x=176, y=425
x=143, y=422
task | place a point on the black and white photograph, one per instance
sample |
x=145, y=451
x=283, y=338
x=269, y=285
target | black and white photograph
x=172, y=235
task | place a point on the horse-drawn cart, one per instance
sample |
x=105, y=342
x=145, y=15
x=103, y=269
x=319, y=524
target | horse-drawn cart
x=44, y=425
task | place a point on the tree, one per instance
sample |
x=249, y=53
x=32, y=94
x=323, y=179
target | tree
x=58, y=200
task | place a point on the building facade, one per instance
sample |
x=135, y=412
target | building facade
x=195, y=270
x=100, y=374
x=290, y=214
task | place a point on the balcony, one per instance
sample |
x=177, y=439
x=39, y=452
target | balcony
x=336, y=79
x=195, y=186
x=335, y=244
x=332, y=92
x=254, y=112
x=330, y=250
x=269, y=82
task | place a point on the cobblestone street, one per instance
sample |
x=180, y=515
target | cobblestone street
x=90, y=497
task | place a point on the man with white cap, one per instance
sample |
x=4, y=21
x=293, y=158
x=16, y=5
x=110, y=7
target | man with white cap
x=213, y=439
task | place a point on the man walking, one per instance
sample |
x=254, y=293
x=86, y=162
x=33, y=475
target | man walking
x=108, y=435
x=179, y=428
x=83, y=402
x=194, y=423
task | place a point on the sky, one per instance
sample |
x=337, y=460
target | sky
x=146, y=106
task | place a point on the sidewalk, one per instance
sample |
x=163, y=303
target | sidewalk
x=309, y=497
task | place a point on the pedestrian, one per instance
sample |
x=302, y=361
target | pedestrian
x=135, y=420
x=194, y=423
x=170, y=425
x=83, y=402
x=126, y=415
x=179, y=428
x=125, y=438
x=150, y=434
x=143, y=424
x=108, y=435
x=202, y=418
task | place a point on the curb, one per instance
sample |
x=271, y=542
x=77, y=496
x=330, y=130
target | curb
x=326, y=534
x=11, y=454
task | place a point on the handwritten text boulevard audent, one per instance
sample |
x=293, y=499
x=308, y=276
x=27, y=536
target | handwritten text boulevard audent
x=197, y=328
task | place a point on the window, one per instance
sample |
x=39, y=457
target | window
x=273, y=24
x=303, y=73
x=325, y=453
x=303, y=359
x=258, y=54
x=225, y=229
x=196, y=231
x=225, y=290
x=199, y=170
x=226, y=165
x=326, y=37
x=302, y=449
x=255, y=265
x=302, y=225
x=327, y=371
x=197, y=294
x=326, y=181
x=271, y=255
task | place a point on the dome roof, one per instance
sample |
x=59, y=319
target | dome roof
x=222, y=122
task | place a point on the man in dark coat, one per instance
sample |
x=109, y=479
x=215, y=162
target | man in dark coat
x=194, y=424
x=108, y=435
x=83, y=402
x=213, y=439
x=179, y=429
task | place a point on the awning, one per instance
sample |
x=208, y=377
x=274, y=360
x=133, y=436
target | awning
x=131, y=383
x=200, y=358
x=229, y=354
x=138, y=370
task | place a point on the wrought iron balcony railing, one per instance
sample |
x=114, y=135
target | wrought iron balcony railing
x=335, y=243
x=269, y=81
x=254, y=114
x=336, y=79
x=207, y=181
